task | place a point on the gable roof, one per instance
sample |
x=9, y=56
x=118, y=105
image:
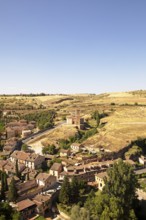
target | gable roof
x=56, y=166
x=21, y=155
x=39, y=199
x=24, y=204
x=11, y=167
x=43, y=176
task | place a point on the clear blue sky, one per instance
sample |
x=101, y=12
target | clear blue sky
x=72, y=46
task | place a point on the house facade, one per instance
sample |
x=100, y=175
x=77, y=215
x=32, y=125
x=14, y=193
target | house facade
x=56, y=169
x=99, y=178
x=30, y=160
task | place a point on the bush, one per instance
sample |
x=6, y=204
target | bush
x=50, y=149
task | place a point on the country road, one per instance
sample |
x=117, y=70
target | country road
x=35, y=140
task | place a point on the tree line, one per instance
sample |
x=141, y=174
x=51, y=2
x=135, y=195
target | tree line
x=43, y=119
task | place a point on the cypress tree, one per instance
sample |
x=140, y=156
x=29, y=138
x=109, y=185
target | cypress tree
x=12, y=193
x=5, y=182
x=64, y=195
x=17, y=170
x=74, y=190
x=2, y=187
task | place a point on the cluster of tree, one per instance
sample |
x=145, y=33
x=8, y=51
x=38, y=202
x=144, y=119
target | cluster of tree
x=97, y=116
x=134, y=152
x=2, y=126
x=71, y=191
x=40, y=218
x=55, y=160
x=24, y=147
x=18, y=173
x=117, y=201
x=11, y=189
x=79, y=136
x=118, y=198
x=12, y=192
x=44, y=119
x=79, y=213
x=7, y=213
x=64, y=143
x=50, y=149
x=88, y=134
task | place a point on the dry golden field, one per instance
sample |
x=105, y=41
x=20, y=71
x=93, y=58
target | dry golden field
x=126, y=120
x=122, y=126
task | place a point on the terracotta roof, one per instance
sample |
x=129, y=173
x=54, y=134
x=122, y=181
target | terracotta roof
x=26, y=185
x=64, y=173
x=11, y=167
x=43, y=176
x=3, y=163
x=21, y=155
x=12, y=140
x=24, y=204
x=38, y=199
x=32, y=157
x=56, y=166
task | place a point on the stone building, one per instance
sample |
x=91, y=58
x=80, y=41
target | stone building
x=75, y=119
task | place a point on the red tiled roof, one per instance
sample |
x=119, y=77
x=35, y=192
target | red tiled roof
x=41, y=198
x=43, y=176
x=56, y=166
x=24, y=204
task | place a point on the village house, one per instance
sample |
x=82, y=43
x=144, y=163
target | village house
x=28, y=189
x=10, y=133
x=31, y=160
x=10, y=168
x=26, y=133
x=18, y=128
x=34, y=161
x=99, y=178
x=19, y=156
x=85, y=172
x=76, y=147
x=27, y=209
x=10, y=145
x=64, y=153
x=75, y=119
x=28, y=174
x=46, y=180
x=56, y=169
x=43, y=203
x=26, y=186
x=87, y=159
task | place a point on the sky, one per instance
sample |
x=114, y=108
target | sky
x=72, y=46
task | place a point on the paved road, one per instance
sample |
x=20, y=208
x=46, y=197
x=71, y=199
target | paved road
x=34, y=137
